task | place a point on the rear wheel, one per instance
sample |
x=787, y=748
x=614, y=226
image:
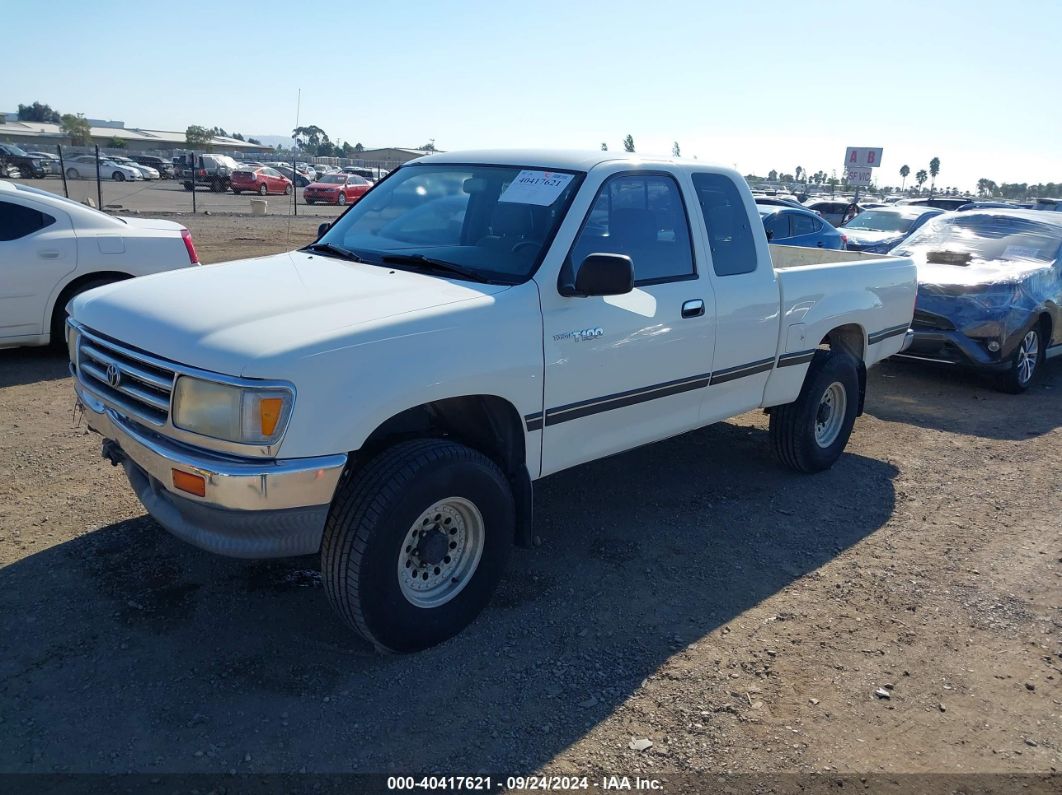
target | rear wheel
x=809, y=434
x=59, y=314
x=416, y=542
x=71, y=173
x=218, y=186
x=1024, y=363
x=118, y=176
x=342, y=199
x=287, y=190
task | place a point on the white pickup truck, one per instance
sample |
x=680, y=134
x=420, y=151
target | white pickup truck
x=387, y=395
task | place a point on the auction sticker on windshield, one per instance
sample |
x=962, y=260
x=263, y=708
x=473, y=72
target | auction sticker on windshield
x=535, y=187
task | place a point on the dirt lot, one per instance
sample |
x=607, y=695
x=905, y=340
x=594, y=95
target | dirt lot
x=692, y=592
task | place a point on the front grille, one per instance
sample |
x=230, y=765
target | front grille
x=927, y=320
x=143, y=386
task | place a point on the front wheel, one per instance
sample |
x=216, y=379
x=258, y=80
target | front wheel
x=118, y=176
x=287, y=190
x=236, y=192
x=1024, y=364
x=809, y=434
x=262, y=190
x=71, y=173
x=342, y=199
x=416, y=542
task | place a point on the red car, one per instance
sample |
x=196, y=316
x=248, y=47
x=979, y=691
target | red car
x=261, y=180
x=336, y=189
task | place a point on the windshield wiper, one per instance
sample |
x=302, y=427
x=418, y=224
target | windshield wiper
x=436, y=264
x=331, y=248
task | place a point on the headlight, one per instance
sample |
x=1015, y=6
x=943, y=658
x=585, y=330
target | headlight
x=248, y=415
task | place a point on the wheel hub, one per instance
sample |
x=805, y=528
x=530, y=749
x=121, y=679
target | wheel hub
x=440, y=552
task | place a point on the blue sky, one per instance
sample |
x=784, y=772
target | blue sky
x=757, y=85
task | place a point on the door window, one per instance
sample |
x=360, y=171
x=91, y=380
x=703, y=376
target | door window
x=17, y=221
x=727, y=222
x=803, y=224
x=644, y=218
x=776, y=226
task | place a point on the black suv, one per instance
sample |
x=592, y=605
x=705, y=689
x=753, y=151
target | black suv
x=163, y=166
x=209, y=171
x=27, y=166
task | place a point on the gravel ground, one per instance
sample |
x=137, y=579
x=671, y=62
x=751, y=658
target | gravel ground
x=691, y=593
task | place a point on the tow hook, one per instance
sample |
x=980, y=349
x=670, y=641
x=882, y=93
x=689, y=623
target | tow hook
x=112, y=452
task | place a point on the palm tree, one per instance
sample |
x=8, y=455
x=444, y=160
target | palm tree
x=904, y=171
x=934, y=169
x=798, y=172
x=921, y=178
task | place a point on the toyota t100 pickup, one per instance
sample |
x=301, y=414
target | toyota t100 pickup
x=387, y=395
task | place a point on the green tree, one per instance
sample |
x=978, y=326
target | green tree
x=429, y=146
x=675, y=150
x=76, y=128
x=904, y=171
x=921, y=178
x=604, y=147
x=314, y=137
x=799, y=172
x=196, y=135
x=772, y=175
x=934, y=169
x=39, y=112
x=219, y=131
x=359, y=148
x=116, y=143
x=254, y=141
x=628, y=143
x=238, y=136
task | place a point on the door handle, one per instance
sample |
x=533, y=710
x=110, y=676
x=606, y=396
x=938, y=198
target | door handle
x=48, y=254
x=693, y=308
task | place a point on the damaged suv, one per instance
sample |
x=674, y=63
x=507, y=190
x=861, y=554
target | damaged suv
x=989, y=292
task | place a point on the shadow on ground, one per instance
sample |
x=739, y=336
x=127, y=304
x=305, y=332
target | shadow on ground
x=953, y=400
x=19, y=366
x=128, y=650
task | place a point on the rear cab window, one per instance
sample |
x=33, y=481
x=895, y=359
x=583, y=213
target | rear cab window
x=727, y=222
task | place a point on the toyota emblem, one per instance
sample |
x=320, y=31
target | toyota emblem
x=114, y=375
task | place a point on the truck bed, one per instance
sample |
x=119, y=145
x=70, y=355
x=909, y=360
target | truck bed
x=798, y=257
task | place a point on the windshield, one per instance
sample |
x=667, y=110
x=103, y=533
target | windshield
x=881, y=221
x=15, y=150
x=495, y=221
x=333, y=179
x=974, y=238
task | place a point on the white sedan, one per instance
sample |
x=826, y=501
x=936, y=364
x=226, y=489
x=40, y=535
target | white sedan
x=52, y=249
x=84, y=167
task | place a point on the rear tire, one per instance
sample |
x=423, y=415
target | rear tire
x=71, y=173
x=1025, y=363
x=400, y=593
x=58, y=336
x=118, y=176
x=341, y=200
x=809, y=434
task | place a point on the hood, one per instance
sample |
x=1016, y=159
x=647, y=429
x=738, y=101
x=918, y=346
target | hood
x=228, y=316
x=977, y=275
x=870, y=237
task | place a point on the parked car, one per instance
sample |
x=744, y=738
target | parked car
x=50, y=163
x=772, y=201
x=989, y=292
x=1050, y=205
x=262, y=180
x=833, y=210
x=987, y=206
x=84, y=167
x=209, y=171
x=161, y=165
x=388, y=401
x=299, y=180
x=27, y=165
x=788, y=226
x=879, y=229
x=336, y=189
x=147, y=172
x=52, y=249
x=366, y=173
x=948, y=203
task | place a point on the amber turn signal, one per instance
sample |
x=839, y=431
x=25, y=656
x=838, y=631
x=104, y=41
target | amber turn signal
x=269, y=410
x=186, y=481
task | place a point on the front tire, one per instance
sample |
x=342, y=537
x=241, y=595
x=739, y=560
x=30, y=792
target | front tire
x=1024, y=364
x=71, y=173
x=416, y=542
x=809, y=434
x=262, y=190
x=118, y=176
x=341, y=199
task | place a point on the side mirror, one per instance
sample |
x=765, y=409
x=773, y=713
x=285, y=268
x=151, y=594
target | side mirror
x=322, y=229
x=605, y=274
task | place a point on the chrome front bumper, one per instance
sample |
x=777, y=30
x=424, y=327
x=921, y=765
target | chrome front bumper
x=251, y=508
